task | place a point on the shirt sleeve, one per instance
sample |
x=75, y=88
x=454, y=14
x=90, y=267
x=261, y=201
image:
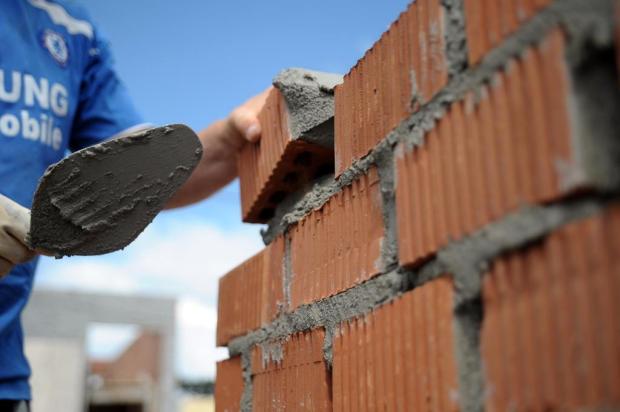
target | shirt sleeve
x=104, y=106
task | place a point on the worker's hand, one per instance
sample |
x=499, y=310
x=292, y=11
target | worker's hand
x=243, y=121
x=221, y=143
x=14, y=227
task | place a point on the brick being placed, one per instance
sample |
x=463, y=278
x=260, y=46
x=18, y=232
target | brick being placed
x=403, y=69
x=550, y=336
x=229, y=388
x=489, y=22
x=296, y=144
x=400, y=356
x=511, y=143
x=291, y=375
x=338, y=245
x=251, y=295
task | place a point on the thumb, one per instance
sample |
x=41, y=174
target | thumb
x=246, y=123
x=18, y=215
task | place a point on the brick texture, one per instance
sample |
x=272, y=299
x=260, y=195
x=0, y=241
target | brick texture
x=277, y=165
x=229, y=385
x=551, y=335
x=339, y=245
x=400, y=357
x=251, y=294
x=541, y=330
x=488, y=155
x=489, y=22
x=405, y=67
x=298, y=381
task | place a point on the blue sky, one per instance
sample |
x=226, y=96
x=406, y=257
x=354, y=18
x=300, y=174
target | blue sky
x=192, y=61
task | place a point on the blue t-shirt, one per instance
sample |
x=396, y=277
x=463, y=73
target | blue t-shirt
x=58, y=92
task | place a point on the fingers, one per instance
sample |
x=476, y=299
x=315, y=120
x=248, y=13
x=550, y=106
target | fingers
x=245, y=122
x=245, y=117
x=14, y=227
x=13, y=249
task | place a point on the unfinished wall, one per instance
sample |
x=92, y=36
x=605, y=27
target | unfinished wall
x=464, y=255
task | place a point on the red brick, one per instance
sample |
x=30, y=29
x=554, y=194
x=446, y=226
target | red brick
x=251, y=294
x=338, y=245
x=376, y=94
x=299, y=381
x=404, y=352
x=491, y=153
x=550, y=337
x=278, y=164
x=228, y=385
x=489, y=22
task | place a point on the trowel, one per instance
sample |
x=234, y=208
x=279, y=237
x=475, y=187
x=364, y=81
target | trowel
x=99, y=199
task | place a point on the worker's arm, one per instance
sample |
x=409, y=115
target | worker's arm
x=221, y=142
x=14, y=227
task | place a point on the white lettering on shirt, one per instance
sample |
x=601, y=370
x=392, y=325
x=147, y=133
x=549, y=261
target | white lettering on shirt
x=16, y=88
x=60, y=100
x=9, y=125
x=38, y=90
x=35, y=92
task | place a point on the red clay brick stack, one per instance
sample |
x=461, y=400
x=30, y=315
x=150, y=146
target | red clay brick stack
x=465, y=253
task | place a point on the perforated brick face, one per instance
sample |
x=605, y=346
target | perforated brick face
x=550, y=337
x=251, y=294
x=338, y=246
x=405, y=68
x=504, y=146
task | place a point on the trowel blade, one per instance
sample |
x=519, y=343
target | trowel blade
x=99, y=199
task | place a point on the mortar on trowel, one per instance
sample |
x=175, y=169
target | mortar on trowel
x=99, y=199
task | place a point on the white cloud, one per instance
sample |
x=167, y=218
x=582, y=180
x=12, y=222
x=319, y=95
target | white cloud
x=188, y=258
x=196, y=351
x=105, y=341
x=183, y=260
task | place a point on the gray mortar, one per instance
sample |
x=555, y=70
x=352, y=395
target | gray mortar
x=287, y=276
x=466, y=327
x=99, y=199
x=329, y=311
x=387, y=181
x=468, y=258
x=309, y=97
x=246, y=372
x=455, y=36
x=328, y=344
x=271, y=352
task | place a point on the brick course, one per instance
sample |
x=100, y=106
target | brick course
x=489, y=22
x=251, y=294
x=229, y=387
x=490, y=154
x=297, y=380
x=399, y=357
x=339, y=245
x=550, y=337
x=379, y=91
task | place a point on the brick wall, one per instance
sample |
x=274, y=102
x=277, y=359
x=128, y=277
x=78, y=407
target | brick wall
x=443, y=233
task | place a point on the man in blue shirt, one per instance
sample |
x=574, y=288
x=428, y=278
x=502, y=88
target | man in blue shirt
x=59, y=92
